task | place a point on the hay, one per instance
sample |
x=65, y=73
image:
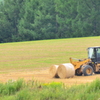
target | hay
x=53, y=71
x=66, y=70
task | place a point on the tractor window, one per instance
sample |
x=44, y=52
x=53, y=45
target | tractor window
x=98, y=54
x=91, y=53
x=98, y=51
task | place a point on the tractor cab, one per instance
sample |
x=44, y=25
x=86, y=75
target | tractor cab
x=94, y=54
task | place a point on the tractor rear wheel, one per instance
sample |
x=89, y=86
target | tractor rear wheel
x=78, y=72
x=88, y=70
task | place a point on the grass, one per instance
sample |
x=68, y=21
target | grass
x=39, y=54
x=44, y=53
x=33, y=90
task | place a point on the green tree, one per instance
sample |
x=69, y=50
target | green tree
x=10, y=18
x=5, y=26
x=22, y=20
x=66, y=13
x=87, y=21
x=25, y=26
x=45, y=20
x=38, y=21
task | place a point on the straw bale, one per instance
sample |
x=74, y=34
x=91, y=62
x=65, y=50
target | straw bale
x=53, y=71
x=66, y=70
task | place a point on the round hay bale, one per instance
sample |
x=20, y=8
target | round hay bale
x=66, y=70
x=53, y=71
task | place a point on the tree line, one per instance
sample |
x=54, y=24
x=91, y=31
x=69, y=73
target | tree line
x=26, y=20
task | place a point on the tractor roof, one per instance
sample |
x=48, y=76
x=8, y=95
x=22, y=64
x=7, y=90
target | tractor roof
x=94, y=47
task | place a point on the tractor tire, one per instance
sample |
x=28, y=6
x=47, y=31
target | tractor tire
x=88, y=70
x=78, y=72
x=97, y=72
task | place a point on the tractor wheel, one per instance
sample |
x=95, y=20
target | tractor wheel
x=97, y=72
x=78, y=72
x=88, y=70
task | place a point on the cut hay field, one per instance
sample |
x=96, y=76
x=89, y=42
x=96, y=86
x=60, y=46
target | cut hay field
x=39, y=54
x=32, y=59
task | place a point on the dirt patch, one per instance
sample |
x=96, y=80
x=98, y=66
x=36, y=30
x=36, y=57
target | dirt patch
x=43, y=76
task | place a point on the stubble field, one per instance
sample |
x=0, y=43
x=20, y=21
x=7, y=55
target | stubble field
x=32, y=60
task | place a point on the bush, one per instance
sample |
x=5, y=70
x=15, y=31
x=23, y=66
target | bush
x=11, y=87
x=94, y=86
x=23, y=95
x=33, y=90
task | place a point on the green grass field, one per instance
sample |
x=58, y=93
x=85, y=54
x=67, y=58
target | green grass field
x=43, y=53
x=40, y=54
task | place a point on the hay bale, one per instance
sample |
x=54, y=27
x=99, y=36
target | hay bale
x=53, y=71
x=66, y=70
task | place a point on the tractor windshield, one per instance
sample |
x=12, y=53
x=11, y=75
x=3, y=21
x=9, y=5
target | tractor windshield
x=91, y=53
x=94, y=54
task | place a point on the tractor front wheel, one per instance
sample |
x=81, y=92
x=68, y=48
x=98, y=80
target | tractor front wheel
x=88, y=70
x=78, y=72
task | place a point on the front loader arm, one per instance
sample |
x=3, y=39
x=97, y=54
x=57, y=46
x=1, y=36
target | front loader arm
x=77, y=64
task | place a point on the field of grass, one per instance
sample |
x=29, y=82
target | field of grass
x=44, y=53
x=40, y=54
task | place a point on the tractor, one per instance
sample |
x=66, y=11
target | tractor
x=90, y=65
